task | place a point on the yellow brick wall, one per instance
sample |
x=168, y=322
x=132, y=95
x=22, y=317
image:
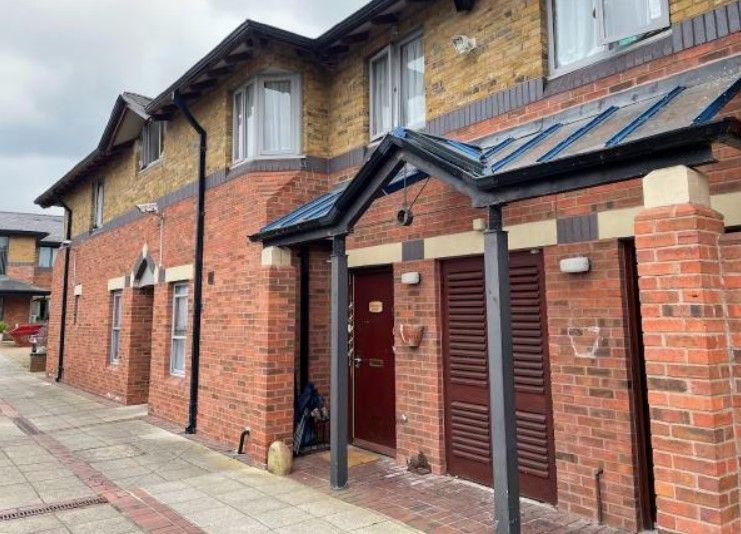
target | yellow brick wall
x=684, y=9
x=22, y=249
x=126, y=186
x=510, y=35
x=512, y=44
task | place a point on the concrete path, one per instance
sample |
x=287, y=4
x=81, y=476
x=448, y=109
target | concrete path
x=73, y=463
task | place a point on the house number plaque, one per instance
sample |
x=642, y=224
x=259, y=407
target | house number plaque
x=375, y=306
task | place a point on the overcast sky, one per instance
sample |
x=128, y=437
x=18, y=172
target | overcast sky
x=63, y=62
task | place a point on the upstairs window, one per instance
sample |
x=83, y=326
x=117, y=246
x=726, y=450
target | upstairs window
x=397, y=87
x=98, y=204
x=47, y=255
x=150, y=144
x=267, y=118
x=4, y=243
x=585, y=31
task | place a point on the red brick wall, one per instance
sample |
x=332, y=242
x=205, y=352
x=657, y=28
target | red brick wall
x=589, y=381
x=419, y=371
x=246, y=375
x=16, y=311
x=168, y=394
x=319, y=303
x=689, y=366
x=730, y=250
x=137, y=326
x=21, y=271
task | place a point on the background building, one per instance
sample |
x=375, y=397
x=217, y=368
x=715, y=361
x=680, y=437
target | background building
x=28, y=250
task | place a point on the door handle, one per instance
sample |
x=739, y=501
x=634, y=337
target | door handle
x=357, y=361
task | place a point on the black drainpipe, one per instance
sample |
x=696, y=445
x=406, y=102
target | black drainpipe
x=65, y=283
x=304, y=320
x=197, y=263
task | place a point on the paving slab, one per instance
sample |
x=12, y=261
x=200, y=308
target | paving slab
x=80, y=447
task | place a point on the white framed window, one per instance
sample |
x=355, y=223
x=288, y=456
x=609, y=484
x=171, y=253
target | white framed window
x=39, y=310
x=150, y=143
x=180, y=316
x=116, y=305
x=585, y=31
x=47, y=255
x=267, y=118
x=397, y=86
x=4, y=244
x=98, y=203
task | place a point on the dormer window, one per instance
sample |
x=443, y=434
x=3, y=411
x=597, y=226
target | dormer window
x=267, y=118
x=150, y=144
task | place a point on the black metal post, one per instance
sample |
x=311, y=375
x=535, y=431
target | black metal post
x=501, y=376
x=339, y=371
x=65, y=283
x=195, y=350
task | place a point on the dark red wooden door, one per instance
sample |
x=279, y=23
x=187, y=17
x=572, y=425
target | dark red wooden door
x=374, y=398
x=466, y=373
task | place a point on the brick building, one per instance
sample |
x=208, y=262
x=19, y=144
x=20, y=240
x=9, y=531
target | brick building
x=611, y=145
x=28, y=249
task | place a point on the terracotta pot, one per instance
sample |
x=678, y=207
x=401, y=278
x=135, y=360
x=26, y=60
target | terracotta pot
x=411, y=335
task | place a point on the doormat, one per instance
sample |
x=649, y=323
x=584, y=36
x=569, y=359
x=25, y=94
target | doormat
x=355, y=456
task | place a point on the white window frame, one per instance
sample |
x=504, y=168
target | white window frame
x=145, y=160
x=253, y=141
x=114, y=349
x=52, y=256
x=393, y=52
x=98, y=203
x=5, y=242
x=173, y=334
x=611, y=46
x=375, y=132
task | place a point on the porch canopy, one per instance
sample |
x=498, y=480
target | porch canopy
x=15, y=288
x=627, y=135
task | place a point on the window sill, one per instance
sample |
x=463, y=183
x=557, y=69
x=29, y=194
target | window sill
x=602, y=57
x=155, y=163
x=237, y=166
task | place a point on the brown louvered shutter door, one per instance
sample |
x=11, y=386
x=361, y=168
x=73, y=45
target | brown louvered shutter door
x=466, y=378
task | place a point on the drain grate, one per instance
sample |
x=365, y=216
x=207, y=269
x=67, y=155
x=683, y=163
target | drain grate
x=25, y=426
x=40, y=509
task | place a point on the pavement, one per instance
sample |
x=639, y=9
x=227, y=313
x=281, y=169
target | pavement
x=71, y=462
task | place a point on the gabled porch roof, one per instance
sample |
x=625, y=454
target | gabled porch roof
x=666, y=123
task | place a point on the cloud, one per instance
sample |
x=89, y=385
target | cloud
x=65, y=61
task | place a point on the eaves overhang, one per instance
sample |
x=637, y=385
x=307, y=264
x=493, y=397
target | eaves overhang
x=124, y=124
x=243, y=43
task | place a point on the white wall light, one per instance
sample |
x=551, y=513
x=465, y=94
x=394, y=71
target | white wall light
x=579, y=264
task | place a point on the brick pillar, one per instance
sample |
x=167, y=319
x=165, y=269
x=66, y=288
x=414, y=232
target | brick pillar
x=419, y=370
x=272, y=366
x=687, y=358
x=136, y=344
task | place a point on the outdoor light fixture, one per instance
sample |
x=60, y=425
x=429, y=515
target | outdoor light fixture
x=149, y=207
x=464, y=44
x=410, y=279
x=579, y=264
